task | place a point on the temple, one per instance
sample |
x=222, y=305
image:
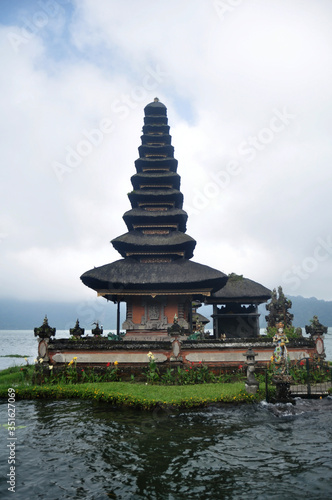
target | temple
x=162, y=287
x=156, y=276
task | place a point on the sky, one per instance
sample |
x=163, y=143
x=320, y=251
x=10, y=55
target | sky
x=247, y=85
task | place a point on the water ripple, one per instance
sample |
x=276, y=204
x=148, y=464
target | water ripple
x=80, y=449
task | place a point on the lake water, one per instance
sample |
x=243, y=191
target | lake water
x=89, y=450
x=24, y=342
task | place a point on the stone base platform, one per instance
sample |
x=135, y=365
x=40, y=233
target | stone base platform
x=214, y=353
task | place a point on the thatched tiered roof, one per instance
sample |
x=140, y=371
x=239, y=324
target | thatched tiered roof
x=240, y=289
x=156, y=249
x=130, y=274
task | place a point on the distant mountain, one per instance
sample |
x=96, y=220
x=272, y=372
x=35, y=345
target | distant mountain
x=24, y=315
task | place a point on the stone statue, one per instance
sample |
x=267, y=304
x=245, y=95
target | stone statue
x=278, y=310
x=280, y=354
x=280, y=358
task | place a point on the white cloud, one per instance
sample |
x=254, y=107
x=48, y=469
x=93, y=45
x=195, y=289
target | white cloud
x=221, y=80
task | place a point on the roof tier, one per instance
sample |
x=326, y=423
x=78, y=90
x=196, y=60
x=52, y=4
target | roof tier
x=155, y=241
x=155, y=129
x=129, y=274
x=168, y=164
x=174, y=218
x=156, y=151
x=168, y=197
x=155, y=108
x=155, y=138
x=156, y=180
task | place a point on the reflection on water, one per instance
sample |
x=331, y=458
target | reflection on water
x=80, y=449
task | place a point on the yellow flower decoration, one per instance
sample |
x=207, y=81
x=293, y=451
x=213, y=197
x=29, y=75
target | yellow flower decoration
x=116, y=363
x=75, y=357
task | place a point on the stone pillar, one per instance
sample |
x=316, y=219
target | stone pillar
x=251, y=383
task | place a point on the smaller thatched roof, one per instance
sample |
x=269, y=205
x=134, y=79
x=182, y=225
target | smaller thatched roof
x=159, y=128
x=155, y=108
x=149, y=178
x=135, y=241
x=240, y=289
x=168, y=196
x=156, y=163
x=171, y=216
x=145, y=150
x=199, y=317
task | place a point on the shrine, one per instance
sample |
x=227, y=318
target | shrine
x=237, y=316
x=162, y=286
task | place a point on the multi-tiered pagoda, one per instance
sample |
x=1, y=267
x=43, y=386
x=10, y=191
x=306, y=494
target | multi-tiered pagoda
x=162, y=287
x=155, y=276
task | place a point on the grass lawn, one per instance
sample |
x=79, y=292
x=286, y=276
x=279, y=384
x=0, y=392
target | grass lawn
x=127, y=394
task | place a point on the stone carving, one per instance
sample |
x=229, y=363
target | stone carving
x=154, y=311
x=98, y=331
x=154, y=318
x=77, y=331
x=175, y=329
x=44, y=331
x=251, y=382
x=278, y=310
x=316, y=329
x=128, y=324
